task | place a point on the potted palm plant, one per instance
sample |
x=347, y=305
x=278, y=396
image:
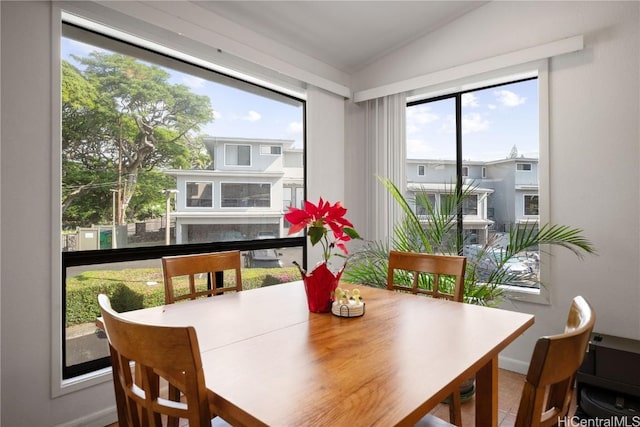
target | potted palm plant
x=489, y=267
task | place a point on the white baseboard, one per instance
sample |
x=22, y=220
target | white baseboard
x=97, y=419
x=514, y=365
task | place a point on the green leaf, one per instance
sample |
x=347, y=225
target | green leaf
x=351, y=233
x=316, y=234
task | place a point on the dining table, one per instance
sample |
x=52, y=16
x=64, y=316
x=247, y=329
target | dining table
x=271, y=362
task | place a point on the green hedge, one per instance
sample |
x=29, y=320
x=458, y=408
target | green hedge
x=132, y=289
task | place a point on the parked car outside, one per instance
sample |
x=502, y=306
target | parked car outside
x=263, y=258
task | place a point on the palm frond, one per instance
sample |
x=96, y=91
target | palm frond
x=487, y=269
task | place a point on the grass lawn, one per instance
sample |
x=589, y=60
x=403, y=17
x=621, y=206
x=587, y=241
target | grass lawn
x=136, y=288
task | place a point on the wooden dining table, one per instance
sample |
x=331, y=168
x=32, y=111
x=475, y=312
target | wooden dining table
x=271, y=362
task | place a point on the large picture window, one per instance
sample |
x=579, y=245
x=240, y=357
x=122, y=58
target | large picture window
x=486, y=141
x=148, y=140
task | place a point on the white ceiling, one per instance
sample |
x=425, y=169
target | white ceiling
x=347, y=35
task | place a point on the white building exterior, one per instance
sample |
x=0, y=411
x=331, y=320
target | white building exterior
x=243, y=196
x=501, y=193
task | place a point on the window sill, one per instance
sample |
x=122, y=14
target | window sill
x=522, y=294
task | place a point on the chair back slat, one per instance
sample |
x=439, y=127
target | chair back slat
x=191, y=266
x=414, y=266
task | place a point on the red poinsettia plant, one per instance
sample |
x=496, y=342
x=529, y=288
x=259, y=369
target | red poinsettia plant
x=321, y=220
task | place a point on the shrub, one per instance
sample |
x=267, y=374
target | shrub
x=137, y=288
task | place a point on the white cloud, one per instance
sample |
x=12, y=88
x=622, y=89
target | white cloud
x=419, y=115
x=217, y=115
x=508, y=98
x=252, y=116
x=469, y=100
x=491, y=106
x=419, y=149
x=294, y=128
x=82, y=49
x=474, y=123
x=192, y=82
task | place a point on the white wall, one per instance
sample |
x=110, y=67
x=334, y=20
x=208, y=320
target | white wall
x=594, y=141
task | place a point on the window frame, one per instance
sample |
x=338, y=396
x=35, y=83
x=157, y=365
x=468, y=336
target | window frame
x=521, y=167
x=226, y=163
x=524, y=205
x=465, y=203
x=186, y=191
x=424, y=170
x=64, y=379
x=270, y=184
x=271, y=147
x=539, y=69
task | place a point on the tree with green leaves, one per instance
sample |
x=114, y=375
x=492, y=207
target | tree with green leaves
x=122, y=120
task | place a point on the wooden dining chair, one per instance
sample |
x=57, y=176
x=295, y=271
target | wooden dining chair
x=424, y=273
x=409, y=270
x=164, y=353
x=194, y=267
x=550, y=380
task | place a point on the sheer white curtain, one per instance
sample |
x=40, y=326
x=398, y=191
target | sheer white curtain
x=385, y=158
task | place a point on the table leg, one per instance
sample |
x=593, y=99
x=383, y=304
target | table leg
x=487, y=394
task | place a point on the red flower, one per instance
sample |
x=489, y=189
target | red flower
x=317, y=218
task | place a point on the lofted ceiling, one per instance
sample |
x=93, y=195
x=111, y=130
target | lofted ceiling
x=348, y=35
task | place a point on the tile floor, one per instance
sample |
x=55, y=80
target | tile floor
x=510, y=389
x=510, y=384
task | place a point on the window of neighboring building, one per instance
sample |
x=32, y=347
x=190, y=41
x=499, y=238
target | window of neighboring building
x=422, y=199
x=523, y=166
x=199, y=195
x=484, y=172
x=420, y=170
x=274, y=150
x=531, y=205
x=243, y=195
x=470, y=205
x=237, y=155
x=465, y=171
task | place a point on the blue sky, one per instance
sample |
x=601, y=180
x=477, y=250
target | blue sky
x=236, y=113
x=493, y=121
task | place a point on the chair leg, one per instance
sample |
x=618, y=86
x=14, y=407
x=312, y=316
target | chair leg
x=455, y=409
